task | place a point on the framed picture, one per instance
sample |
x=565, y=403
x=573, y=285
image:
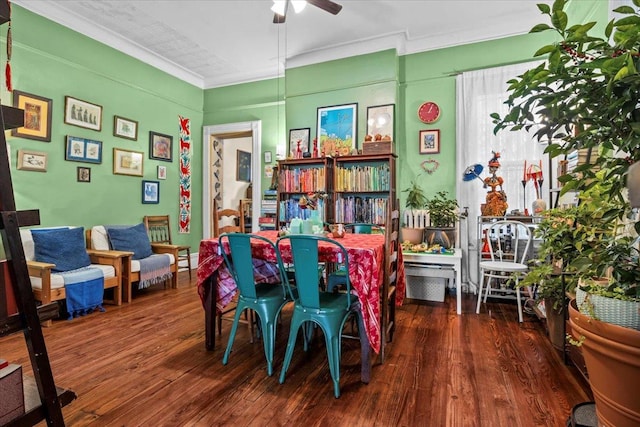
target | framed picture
x=127, y=162
x=430, y=141
x=299, y=138
x=243, y=166
x=82, y=113
x=267, y=156
x=336, y=131
x=125, y=128
x=84, y=174
x=37, y=116
x=83, y=150
x=162, y=172
x=150, y=192
x=380, y=120
x=160, y=146
x=32, y=161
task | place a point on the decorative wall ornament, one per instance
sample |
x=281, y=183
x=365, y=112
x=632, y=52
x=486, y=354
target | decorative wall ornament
x=430, y=165
x=185, y=175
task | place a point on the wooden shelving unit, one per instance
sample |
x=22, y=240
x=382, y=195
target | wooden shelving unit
x=43, y=400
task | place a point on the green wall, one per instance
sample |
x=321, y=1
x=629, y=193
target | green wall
x=52, y=61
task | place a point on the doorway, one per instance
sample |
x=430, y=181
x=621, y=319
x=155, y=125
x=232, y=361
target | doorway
x=213, y=137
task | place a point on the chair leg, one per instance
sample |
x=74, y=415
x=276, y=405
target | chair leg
x=291, y=343
x=482, y=278
x=519, y=302
x=189, y=262
x=232, y=335
x=333, y=354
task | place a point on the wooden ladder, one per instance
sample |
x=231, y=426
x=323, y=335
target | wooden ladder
x=28, y=317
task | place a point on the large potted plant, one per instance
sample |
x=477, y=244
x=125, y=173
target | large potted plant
x=585, y=96
x=443, y=215
x=416, y=200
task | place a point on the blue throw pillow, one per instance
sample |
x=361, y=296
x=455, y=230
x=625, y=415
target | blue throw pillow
x=131, y=239
x=64, y=247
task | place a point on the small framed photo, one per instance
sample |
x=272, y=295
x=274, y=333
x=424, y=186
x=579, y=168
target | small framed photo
x=84, y=174
x=267, y=156
x=243, y=166
x=299, y=138
x=125, y=128
x=160, y=146
x=150, y=192
x=37, y=116
x=162, y=172
x=337, y=129
x=430, y=141
x=32, y=161
x=83, y=150
x=127, y=162
x=380, y=120
x=82, y=113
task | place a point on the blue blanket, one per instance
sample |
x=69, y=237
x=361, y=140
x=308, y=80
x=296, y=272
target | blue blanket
x=84, y=289
x=154, y=269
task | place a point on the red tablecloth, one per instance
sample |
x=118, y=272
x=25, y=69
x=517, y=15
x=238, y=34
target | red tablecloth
x=366, y=265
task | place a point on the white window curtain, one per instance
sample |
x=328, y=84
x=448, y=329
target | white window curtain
x=480, y=93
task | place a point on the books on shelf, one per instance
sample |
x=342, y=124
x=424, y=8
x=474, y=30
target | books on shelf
x=363, y=178
x=361, y=209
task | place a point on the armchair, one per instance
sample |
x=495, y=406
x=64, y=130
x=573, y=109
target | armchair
x=141, y=253
x=47, y=280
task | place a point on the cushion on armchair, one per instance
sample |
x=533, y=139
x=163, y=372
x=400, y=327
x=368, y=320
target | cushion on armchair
x=64, y=247
x=132, y=239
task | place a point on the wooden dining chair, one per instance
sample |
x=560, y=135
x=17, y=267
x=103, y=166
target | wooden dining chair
x=234, y=218
x=159, y=231
x=388, y=291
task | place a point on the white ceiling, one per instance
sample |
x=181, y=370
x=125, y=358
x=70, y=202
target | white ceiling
x=211, y=43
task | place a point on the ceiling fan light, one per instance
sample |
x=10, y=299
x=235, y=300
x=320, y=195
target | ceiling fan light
x=298, y=5
x=279, y=7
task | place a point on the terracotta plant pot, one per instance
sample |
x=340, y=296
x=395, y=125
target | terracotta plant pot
x=555, y=320
x=413, y=235
x=612, y=356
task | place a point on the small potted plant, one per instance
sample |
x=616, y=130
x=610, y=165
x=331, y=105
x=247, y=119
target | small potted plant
x=443, y=215
x=416, y=200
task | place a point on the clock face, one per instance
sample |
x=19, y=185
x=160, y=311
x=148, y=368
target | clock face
x=429, y=112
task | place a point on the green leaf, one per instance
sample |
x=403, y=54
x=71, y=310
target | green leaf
x=544, y=50
x=559, y=19
x=539, y=28
x=544, y=8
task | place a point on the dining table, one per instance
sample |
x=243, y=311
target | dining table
x=366, y=253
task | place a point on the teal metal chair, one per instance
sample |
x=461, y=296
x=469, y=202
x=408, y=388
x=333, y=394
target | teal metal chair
x=312, y=306
x=266, y=300
x=337, y=279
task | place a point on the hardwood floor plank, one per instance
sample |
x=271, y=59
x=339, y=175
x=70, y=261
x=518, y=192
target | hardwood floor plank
x=145, y=363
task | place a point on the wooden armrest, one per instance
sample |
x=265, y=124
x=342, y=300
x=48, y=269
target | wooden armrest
x=108, y=254
x=38, y=269
x=164, y=248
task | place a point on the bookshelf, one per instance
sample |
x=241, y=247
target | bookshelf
x=363, y=187
x=358, y=188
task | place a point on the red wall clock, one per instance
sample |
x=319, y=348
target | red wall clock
x=429, y=112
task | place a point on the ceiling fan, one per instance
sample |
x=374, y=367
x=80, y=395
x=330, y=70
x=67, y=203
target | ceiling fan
x=280, y=8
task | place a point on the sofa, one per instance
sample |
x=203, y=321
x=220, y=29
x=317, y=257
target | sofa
x=47, y=277
x=134, y=244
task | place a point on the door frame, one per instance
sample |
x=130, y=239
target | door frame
x=255, y=127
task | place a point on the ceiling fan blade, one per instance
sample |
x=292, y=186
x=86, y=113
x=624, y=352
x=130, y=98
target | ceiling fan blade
x=279, y=19
x=328, y=5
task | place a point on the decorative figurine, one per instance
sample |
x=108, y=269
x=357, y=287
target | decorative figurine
x=496, y=200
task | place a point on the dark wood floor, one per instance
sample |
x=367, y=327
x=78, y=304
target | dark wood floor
x=144, y=364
